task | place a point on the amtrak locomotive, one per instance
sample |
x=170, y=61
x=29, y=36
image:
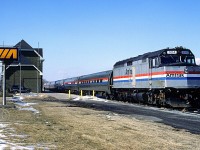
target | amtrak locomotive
x=167, y=77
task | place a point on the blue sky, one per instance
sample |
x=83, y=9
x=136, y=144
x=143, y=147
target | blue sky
x=85, y=36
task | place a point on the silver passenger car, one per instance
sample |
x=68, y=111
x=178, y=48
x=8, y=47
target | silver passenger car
x=99, y=82
x=71, y=84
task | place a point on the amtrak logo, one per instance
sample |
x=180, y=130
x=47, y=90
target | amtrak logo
x=175, y=75
x=128, y=71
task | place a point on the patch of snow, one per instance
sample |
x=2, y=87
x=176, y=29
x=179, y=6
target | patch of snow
x=77, y=99
x=4, y=144
x=7, y=145
x=16, y=98
x=30, y=109
x=3, y=125
x=89, y=98
x=20, y=103
x=27, y=106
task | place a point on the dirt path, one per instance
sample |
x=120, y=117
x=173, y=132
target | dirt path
x=63, y=126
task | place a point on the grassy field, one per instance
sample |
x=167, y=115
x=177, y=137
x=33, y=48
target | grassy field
x=60, y=125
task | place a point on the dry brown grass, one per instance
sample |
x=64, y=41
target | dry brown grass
x=61, y=126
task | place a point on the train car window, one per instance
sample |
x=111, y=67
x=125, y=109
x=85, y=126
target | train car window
x=144, y=60
x=190, y=60
x=193, y=61
x=101, y=80
x=167, y=59
x=177, y=59
x=157, y=61
x=129, y=63
x=153, y=63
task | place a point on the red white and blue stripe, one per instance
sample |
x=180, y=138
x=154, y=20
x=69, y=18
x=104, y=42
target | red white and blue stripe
x=165, y=75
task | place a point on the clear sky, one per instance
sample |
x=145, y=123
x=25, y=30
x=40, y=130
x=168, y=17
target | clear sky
x=85, y=36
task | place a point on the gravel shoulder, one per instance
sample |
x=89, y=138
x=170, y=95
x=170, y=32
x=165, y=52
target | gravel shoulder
x=58, y=125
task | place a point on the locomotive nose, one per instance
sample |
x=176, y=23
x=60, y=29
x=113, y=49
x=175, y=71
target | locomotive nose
x=191, y=69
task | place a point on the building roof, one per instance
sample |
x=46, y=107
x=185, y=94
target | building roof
x=26, y=53
x=39, y=50
x=23, y=45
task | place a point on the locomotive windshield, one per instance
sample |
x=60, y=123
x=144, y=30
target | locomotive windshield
x=181, y=58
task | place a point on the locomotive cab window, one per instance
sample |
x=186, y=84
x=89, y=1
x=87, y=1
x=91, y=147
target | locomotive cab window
x=129, y=63
x=167, y=59
x=188, y=60
x=154, y=62
x=177, y=59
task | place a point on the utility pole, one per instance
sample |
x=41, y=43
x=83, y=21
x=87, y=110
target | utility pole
x=20, y=71
x=4, y=83
x=9, y=53
x=38, y=70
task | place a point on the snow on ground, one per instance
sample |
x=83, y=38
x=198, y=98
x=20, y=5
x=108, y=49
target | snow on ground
x=18, y=99
x=87, y=97
x=26, y=106
x=5, y=144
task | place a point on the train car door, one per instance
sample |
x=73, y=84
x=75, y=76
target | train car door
x=133, y=77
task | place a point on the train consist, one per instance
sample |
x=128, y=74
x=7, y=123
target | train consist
x=167, y=77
